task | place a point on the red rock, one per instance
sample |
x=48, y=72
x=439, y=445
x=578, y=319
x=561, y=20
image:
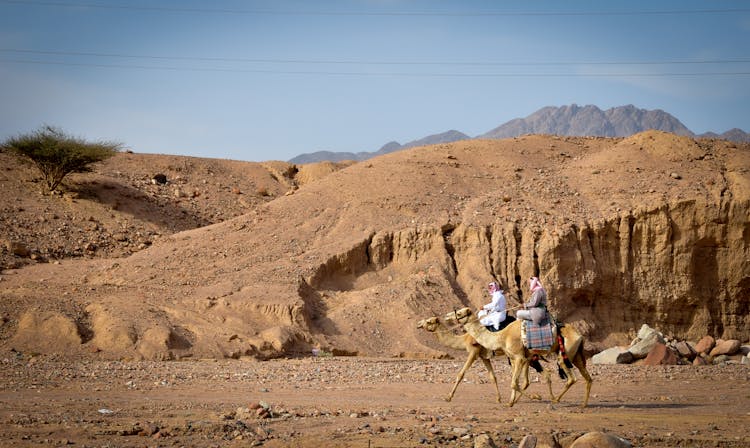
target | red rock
x=705, y=344
x=660, y=355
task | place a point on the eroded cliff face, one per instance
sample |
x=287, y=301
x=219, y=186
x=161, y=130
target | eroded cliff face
x=683, y=268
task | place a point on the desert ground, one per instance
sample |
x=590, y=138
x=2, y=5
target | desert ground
x=355, y=402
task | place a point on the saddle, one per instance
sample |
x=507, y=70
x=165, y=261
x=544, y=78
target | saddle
x=508, y=320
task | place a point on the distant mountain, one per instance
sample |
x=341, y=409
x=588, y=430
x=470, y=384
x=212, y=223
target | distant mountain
x=570, y=120
x=734, y=135
x=445, y=137
x=330, y=156
x=589, y=120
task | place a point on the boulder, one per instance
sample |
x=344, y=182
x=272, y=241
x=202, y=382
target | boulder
x=728, y=347
x=543, y=441
x=646, y=340
x=625, y=358
x=660, y=355
x=705, y=344
x=596, y=439
x=685, y=350
x=608, y=356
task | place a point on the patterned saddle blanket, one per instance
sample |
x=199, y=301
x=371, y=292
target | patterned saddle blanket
x=538, y=337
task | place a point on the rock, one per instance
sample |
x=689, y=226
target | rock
x=721, y=359
x=705, y=345
x=608, y=356
x=529, y=441
x=243, y=413
x=17, y=249
x=646, y=340
x=728, y=347
x=543, y=441
x=699, y=361
x=159, y=179
x=660, y=355
x=46, y=332
x=598, y=439
x=484, y=441
x=685, y=350
x=625, y=358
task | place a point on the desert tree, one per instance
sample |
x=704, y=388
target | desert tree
x=57, y=154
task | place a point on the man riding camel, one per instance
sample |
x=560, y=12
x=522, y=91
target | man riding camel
x=536, y=308
x=493, y=313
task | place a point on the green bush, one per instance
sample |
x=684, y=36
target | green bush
x=56, y=154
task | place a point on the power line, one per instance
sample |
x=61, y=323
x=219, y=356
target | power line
x=380, y=62
x=377, y=13
x=386, y=74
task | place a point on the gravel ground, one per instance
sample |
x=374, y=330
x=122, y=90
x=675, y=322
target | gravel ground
x=354, y=402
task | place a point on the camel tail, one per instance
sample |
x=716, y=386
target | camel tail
x=561, y=372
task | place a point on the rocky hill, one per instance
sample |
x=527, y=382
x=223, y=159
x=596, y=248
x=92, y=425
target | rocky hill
x=623, y=231
x=573, y=120
x=120, y=209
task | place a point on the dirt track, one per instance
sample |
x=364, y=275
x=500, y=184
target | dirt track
x=354, y=402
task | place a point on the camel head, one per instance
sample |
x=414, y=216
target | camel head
x=430, y=324
x=460, y=316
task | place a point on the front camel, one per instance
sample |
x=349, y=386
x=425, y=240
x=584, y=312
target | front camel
x=475, y=351
x=466, y=342
x=509, y=341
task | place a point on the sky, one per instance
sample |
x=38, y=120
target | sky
x=270, y=80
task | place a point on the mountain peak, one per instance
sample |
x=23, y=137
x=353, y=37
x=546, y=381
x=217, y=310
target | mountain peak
x=569, y=120
x=589, y=120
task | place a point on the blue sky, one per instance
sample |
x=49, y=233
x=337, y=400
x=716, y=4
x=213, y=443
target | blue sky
x=269, y=80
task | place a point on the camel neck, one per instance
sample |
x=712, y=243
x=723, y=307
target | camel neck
x=446, y=337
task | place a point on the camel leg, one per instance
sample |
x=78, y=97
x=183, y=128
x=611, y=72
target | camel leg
x=548, y=379
x=517, y=367
x=526, y=383
x=488, y=366
x=469, y=361
x=526, y=380
x=569, y=382
x=580, y=362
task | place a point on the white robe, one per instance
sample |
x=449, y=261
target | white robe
x=494, y=312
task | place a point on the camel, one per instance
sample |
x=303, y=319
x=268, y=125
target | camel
x=509, y=341
x=474, y=350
